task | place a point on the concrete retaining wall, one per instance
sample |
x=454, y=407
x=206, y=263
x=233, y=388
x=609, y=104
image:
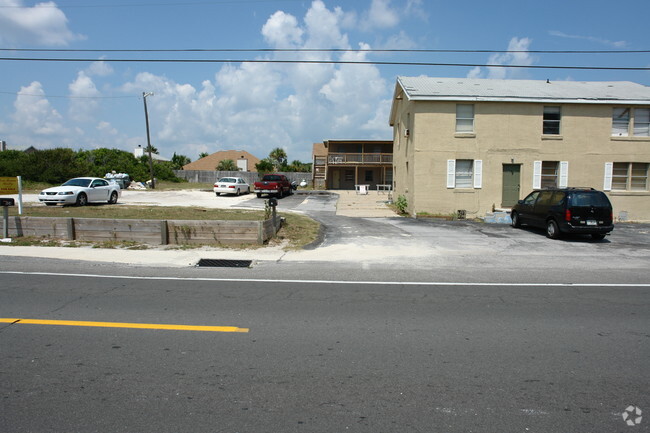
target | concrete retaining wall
x=154, y=232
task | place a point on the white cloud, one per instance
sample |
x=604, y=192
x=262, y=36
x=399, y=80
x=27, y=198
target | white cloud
x=43, y=24
x=82, y=105
x=106, y=128
x=518, y=55
x=281, y=31
x=379, y=16
x=99, y=68
x=601, y=41
x=34, y=115
x=259, y=106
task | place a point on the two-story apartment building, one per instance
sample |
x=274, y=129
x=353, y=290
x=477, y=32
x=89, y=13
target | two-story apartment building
x=479, y=144
x=342, y=164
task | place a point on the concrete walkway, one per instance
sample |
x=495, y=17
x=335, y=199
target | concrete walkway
x=371, y=205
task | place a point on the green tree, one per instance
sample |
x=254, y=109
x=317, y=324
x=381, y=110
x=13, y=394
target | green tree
x=102, y=161
x=54, y=165
x=279, y=158
x=299, y=167
x=12, y=163
x=265, y=166
x=178, y=161
x=203, y=154
x=227, y=165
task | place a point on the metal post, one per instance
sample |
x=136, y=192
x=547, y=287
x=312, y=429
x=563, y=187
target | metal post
x=146, y=119
x=20, y=195
x=5, y=222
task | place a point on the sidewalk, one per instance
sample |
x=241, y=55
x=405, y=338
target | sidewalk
x=371, y=205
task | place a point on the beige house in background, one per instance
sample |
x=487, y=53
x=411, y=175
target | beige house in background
x=343, y=164
x=244, y=160
x=479, y=144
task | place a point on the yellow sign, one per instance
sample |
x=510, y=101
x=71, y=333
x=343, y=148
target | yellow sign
x=8, y=185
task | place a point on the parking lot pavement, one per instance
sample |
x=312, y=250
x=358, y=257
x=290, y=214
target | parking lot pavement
x=384, y=241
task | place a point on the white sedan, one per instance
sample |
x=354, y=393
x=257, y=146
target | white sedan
x=81, y=191
x=231, y=185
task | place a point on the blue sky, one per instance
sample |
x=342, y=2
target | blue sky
x=206, y=107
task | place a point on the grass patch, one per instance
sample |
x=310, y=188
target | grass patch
x=139, y=212
x=296, y=232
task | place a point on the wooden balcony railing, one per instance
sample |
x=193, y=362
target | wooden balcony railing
x=359, y=158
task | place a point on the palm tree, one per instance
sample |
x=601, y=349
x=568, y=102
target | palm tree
x=227, y=165
x=279, y=158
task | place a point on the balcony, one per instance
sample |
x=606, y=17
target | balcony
x=359, y=158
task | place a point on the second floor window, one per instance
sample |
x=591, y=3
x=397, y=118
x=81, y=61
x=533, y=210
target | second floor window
x=465, y=118
x=551, y=124
x=628, y=121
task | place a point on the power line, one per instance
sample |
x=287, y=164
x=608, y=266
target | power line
x=319, y=50
x=66, y=96
x=155, y=4
x=336, y=62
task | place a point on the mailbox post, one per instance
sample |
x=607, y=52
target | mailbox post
x=273, y=204
x=5, y=203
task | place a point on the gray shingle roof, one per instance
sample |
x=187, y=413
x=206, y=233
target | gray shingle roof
x=465, y=89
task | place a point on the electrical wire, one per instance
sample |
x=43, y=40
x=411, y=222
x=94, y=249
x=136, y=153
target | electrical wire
x=319, y=50
x=335, y=62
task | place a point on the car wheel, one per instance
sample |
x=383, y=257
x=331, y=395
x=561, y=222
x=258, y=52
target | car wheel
x=259, y=195
x=516, y=222
x=597, y=236
x=248, y=190
x=82, y=199
x=113, y=198
x=237, y=192
x=552, y=230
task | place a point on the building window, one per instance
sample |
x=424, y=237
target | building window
x=464, y=173
x=631, y=121
x=551, y=124
x=464, y=118
x=641, y=122
x=550, y=174
x=369, y=176
x=630, y=176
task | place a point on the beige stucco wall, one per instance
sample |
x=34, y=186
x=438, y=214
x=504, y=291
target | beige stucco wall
x=506, y=133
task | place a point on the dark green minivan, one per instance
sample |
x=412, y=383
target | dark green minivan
x=565, y=210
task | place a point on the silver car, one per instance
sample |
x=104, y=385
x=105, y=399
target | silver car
x=231, y=185
x=81, y=191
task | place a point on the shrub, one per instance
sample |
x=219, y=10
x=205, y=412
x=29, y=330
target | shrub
x=401, y=204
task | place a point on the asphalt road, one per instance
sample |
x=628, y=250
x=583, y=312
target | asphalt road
x=386, y=325
x=321, y=357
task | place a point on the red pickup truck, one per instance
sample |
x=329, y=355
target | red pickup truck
x=273, y=184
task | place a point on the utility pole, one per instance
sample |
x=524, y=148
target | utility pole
x=146, y=119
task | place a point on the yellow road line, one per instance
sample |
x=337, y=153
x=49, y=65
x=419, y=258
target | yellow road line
x=125, y=325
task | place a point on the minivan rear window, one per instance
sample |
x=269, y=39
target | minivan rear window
x=596, y=199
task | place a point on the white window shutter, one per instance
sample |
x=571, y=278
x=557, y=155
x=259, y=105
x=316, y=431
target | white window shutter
x=564, y=174
x=607, y=183
x=478, y=173
x=451, y=173
x=537, y=174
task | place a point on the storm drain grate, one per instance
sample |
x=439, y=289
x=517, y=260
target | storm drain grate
x=220, y=263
